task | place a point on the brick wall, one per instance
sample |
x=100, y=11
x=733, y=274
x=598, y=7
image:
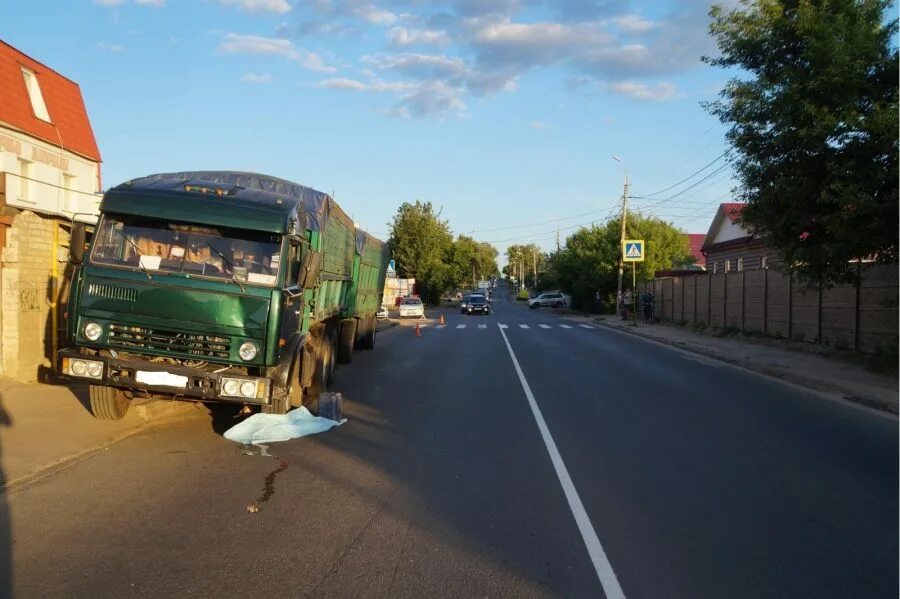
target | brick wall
x=861, y=316
x=25, y=273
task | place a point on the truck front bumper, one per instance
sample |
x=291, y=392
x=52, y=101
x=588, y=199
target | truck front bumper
x=154, y=378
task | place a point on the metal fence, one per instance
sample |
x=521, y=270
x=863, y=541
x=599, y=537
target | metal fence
x=861, y=316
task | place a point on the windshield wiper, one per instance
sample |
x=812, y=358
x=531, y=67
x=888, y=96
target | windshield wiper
x=230, y=265
x=140, y=255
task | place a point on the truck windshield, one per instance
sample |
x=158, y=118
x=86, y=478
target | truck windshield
x=156, y=245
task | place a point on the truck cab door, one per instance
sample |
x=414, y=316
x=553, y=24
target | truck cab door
x=292, y=295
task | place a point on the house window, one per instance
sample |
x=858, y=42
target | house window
x=740, y=264
x=24, y=179
x=715, y=267
x=764, y=262
x=34, y=94
x=727, y=265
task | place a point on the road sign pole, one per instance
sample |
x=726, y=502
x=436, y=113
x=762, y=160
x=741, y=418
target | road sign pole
x=634, y=291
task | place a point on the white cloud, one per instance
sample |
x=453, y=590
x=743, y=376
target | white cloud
x=538, y=125
x=273, y=6
x=375, y=15
x=109, y=2
x=432, y=98
x=236, y=43
x=634, y=24
x=108, y=47
x=401, y=36
x=661, y=92
x=417, y=65
x=257, y=78
x=153, y=3
x=374, y=84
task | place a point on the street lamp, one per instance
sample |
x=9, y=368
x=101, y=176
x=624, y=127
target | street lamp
x=622, y=236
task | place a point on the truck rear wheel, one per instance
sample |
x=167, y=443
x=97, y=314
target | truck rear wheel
x=108, y=403
x=368, y=338
x=347, y=340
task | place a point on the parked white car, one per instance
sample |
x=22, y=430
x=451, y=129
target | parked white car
x=412, y=307
x=554, y=299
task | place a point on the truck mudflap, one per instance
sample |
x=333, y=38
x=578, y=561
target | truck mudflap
x=143, y=377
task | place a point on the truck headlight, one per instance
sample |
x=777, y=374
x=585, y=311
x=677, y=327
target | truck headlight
x=95, y=369
x=248, y=389
x=92, y=331
x=230, y=387
x=248, y=350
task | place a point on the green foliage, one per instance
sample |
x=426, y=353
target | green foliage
x=424, y=249
x=813, y=121
x=590, y=260
x=421, y=241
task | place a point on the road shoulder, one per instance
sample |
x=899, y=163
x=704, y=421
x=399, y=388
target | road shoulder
x=820, y=373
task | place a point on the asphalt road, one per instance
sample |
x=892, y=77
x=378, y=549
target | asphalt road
x=693, y=478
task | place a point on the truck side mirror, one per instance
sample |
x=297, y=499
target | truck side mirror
x=309, y=269
x=76, y=243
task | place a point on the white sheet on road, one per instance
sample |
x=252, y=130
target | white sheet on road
x=270, y=428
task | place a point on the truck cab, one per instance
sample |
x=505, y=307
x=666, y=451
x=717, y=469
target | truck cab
x=218, y=286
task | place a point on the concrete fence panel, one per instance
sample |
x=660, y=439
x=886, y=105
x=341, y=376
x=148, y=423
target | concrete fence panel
x=877, y=307
x=717, y=292
x=778, y=304
x=804, y=312
x=734, y=300
x=754, y=300
x=702, y=305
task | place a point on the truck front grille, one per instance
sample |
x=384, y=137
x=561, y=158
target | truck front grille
x=190, y=344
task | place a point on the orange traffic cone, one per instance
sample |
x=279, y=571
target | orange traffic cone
x=442, y=318
x=418, y=332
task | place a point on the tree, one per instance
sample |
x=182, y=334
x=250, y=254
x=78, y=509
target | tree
x=589, y=261
x=421, y=242
x=814, y=127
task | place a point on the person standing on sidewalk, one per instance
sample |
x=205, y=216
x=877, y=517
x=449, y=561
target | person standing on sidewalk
x=627, y=298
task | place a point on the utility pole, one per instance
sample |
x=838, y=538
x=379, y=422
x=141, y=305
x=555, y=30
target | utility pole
x=534, y=258
x=557, y=240
x=622, y=237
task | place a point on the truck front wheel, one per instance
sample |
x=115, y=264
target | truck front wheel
x=108, y=403
x=368, y=339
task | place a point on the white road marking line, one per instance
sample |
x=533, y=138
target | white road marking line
x=604, y=570
x=524, y=326
x=565, y=326
x=586, y=326
x=441, y=326
x=482, y=326
x=503, y=326
x=460, y=326
x=544, y=326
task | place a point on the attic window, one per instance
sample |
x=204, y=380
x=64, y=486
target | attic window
x=34, y=94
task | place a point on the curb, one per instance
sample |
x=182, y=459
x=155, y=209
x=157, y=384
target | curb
x=811, y=384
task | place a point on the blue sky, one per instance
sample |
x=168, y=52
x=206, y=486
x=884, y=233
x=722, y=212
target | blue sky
x=503, y=113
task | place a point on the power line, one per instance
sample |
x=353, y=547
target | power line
x=688, y=178
x=534, y=224
x=688, y=188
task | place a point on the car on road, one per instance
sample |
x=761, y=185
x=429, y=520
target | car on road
x=554, y=299
x=464, y=304
x=382, y=313
x=477, y=304
x=412, y=306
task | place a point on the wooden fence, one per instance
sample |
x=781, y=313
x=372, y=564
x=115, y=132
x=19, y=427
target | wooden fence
x=861, y=316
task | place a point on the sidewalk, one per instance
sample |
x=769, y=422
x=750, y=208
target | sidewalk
x=851, y=381
x=43, y=426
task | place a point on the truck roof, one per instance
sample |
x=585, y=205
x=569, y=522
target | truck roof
x=225, y=198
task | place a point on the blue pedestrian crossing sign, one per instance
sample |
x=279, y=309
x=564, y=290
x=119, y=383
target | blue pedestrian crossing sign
x=633, y=250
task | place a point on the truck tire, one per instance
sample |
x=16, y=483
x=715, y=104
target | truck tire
x=368, y=339
x=332, y=354
x=108, y=403
x=347, y=340
x=285, y=399
x=320, y=380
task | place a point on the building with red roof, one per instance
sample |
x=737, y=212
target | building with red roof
x=49, y=174
x=729, y=246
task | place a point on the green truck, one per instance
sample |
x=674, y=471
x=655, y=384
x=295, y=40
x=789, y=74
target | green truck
x=218, y=286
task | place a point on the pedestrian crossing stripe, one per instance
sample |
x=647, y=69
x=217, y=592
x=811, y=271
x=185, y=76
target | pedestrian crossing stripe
x=503, y=326
x=586, y=326
x=524, y=326
x=460, y=326
x=442, y=326
x=565, y=326
x=544, y=326
x=482, y=326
